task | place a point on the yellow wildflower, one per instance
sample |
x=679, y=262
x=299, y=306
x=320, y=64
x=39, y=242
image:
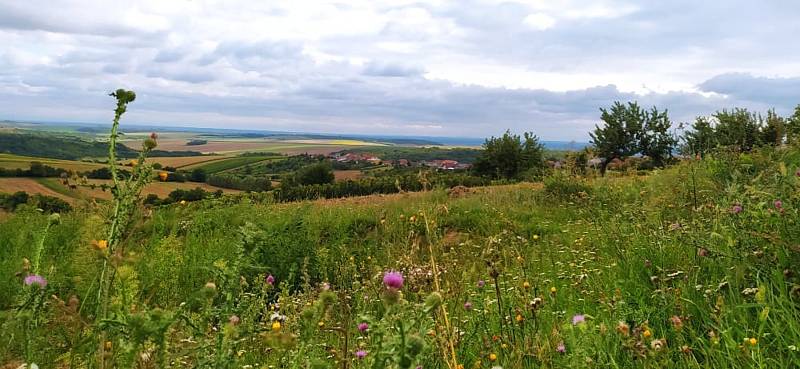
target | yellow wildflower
x=276, y=326
x=492, y=357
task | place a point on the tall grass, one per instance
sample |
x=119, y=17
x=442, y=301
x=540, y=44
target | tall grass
x=689, y=267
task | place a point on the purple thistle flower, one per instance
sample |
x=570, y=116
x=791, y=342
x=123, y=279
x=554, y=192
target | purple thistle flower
x=393, y=280
x=481, y=283
x=360, y=354
x=561, y=348
x=577, y=319
x=363, y=326
x=736, y=209
x=270, y=280
x=35, y=279
x=468, y=306
x=778, y=204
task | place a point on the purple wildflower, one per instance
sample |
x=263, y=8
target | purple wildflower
x=468, y=306
x=270, y=280
x=393, y=280
x=360, y=354
x=481, y=283
x=561, y=348
x=35, y=279
x=736, y=209
x=363, y=326
x=778, y=204
x=577, y=319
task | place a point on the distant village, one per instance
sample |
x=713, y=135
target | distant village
x=351, y=157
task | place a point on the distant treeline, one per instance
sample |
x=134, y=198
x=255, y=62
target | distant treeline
x=53, y=146
x=49, y=204
x=376, y=185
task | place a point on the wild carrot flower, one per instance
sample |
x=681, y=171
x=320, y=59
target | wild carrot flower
x=270, y=280
x=360, y=354
x=362, y=327
x=561, y=348
x=35, y=279
x=393, y=280
x=578, y=319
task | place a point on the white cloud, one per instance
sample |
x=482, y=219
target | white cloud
x=540, y=21
x=474, y=67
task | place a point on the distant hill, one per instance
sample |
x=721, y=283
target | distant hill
x=53, y=146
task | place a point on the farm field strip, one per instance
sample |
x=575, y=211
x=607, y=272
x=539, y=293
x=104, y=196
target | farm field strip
x=10, y=161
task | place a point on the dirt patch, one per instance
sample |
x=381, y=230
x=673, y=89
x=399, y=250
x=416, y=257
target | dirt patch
x=31, y=186
x=183, y=161
x=343, y=175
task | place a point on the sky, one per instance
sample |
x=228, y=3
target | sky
x=467, y=68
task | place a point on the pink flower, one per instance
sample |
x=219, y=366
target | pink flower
x=363, y=326
x=468, y=306
x=35, y=279
x=270, y=279
x=736, y=209
x=577, y=319
x=360, y=354
x=561, y=348
x=778, y=204
x=234, y=320
x=481, y=283
x=393, y=280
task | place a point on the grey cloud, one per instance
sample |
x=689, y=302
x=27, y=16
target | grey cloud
x=391, y=70
x=783, y=92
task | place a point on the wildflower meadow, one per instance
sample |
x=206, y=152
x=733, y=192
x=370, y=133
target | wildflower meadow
x=692, y=266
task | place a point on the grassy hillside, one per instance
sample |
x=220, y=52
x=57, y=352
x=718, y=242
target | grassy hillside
x=690, y=267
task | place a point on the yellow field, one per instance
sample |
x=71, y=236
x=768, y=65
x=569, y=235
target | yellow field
x=9, y=161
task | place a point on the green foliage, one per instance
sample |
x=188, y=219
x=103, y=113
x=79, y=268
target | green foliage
x=630, y=130
x=237, y=182
x=417, y=154
x=314, y=174
x=510, y=156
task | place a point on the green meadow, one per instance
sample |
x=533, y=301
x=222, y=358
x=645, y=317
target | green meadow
x=694, y=266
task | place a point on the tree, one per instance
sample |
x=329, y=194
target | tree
x=319, y=173
x=774, y=130
x=198, y=175
x=655, y=140
x=793, y=126
x=510, y=156
x=700, y=139
x=619, y=136
x=738, y=129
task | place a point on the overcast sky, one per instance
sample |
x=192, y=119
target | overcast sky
x=468, y=68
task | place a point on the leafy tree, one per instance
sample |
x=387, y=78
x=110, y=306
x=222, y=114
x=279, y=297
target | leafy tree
x=318, y=173
x=510, y=156
x=774, y=130
x=793, y=126
x=198, y=175
x=619, y=136
x=655, y=140
x=738, y=128
x=700, y=139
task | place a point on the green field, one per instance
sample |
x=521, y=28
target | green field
x=9, y=161
x=694, y=266
x=221, y=165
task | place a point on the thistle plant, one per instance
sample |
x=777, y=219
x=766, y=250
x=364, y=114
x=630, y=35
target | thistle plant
x=125, y=201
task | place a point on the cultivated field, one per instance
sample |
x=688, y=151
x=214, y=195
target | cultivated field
x=54, y=187
x=9, y=161
x=234, y=146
